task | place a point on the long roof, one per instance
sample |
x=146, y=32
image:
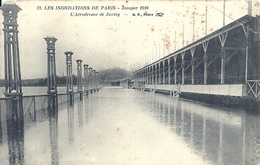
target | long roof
x=239, y=22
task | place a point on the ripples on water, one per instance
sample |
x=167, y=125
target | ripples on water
x=123, y=126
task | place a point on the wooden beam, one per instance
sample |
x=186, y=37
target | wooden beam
x=212, y=61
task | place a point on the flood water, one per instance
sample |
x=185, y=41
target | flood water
x=36, y=90
x=117, y=126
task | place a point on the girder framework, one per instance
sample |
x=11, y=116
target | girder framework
x=11, y=50
x=51, y=73
x=229, y=55
x=69, y=78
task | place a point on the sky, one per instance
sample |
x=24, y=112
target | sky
x=124, y=41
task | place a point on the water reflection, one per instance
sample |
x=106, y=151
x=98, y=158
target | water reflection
x=219, y=135
x=223, y=136
x=80, y=113
x=87, y=108
x=53, y=127
x=70, y=110
x=1, y=129
x=15, y=131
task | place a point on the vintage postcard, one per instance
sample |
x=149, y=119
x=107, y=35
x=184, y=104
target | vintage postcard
x=130, y=82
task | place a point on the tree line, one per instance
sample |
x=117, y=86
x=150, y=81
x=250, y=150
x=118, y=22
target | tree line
x=105, y=76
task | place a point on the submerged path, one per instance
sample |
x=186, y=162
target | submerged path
x=121, y=132
x=117, y=126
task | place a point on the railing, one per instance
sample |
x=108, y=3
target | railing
x=176, y=90
x=253, y=88
x=34, y=107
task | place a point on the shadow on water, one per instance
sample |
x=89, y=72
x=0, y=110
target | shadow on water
x=220, y=135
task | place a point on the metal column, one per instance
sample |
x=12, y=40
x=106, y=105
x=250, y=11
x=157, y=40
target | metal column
x=97, y=81
x=69, y=79
x=86, y=78
x=51, y=75
x=90, y=79
x=205, y=59
x=163, y=72
x=155, y=77
x=183, y=67
x=159, y=73
x=152, y=75
x=169, y=71
x=94, y=80
x=246, y=31
x=175, y=69
x=222, y=71
x=222, y=39
x=11, y=50
x=192, y=50
x=79, y=78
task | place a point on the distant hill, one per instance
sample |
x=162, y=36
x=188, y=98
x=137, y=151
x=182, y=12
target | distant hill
x=106, y=75
x=114, y=74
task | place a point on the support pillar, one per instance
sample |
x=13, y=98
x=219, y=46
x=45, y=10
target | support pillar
x=13, y=87
x=222, y=39
x=222, y=71
x=175, y=69
x=192, y=50
x=69, y=81
x=142, y=76
x=154, y=71
x=85, y=66
x=152, y=76
x=79, y=78
x=11, y=50
x=246, y=32
x=146, y=76
x=183, y=68
x=156, y=74
x=205, y=58
x=159, y=73
x=163, y=72
x=51, y=75
x=205, y=47
x=97, y=80
x=94, y=80
x=69, y=78
x=169, y=71
x=90, y=79
x=192, y=70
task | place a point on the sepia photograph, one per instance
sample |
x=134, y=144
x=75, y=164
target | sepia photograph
x=134, y=82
